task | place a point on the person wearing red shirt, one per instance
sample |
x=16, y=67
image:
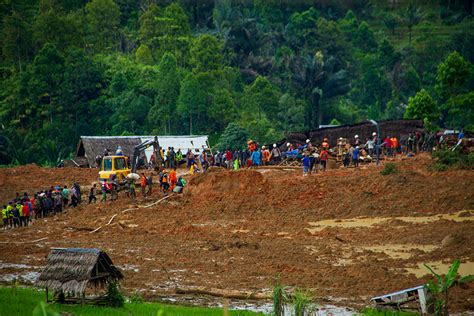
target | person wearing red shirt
x=323, y=157
x=388, y=146
x=26, y=214
x=229, y=157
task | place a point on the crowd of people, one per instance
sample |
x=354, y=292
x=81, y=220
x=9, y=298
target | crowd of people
x=313, y=157
x=169, y=182
x=23, y=209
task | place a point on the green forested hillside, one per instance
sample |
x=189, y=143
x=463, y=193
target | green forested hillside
x=118, y=67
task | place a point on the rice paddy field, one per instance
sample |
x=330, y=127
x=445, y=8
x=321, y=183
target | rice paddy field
x=26, y=301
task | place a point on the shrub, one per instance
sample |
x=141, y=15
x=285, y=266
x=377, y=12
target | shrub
x=438, y=166
x=389, y=168
x=136, y=298
x=279, y=298
x=301, y=302
x=114, y=297
x=450, y=158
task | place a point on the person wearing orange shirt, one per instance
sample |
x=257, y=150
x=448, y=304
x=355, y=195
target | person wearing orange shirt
x=394, y=141
x=266, y=155
x=173, y=179
x=143, y=184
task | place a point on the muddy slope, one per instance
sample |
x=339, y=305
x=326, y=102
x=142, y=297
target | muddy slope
x=240, y=230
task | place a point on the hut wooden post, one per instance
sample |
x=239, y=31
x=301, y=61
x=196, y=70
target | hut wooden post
x=83, y=299
x=47, y=296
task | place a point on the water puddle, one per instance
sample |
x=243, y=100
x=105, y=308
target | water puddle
x=369, y=222
x=129, y=267
x=240, y=231
x=466, y=268
x=27, y=277
x=6, y=265
x=402, y=251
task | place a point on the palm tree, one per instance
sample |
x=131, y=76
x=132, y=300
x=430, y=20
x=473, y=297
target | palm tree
x=317, y=77
x=412, y=16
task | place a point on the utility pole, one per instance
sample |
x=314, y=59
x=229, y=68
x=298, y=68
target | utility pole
x=377, y=146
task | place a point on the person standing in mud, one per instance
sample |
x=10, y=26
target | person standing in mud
x=306, y=164
x=113, y=191
x=92, y=196
x=10, y=214
x=173, y=179
x=133, y=193
x=16, y=216
x=104, y=191
x=4, y=217
x=26, y=213
x=57, y=202
x=149, y=183
x=165, y=182
x=65, y=193
x=323, y=158
x=355, y=157
x=74, y=198
x=143, y=184
x=229, y=159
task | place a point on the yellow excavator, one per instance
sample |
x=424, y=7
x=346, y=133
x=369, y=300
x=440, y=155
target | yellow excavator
x=118, y=166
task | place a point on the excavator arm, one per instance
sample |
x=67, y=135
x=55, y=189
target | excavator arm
x=141, y=147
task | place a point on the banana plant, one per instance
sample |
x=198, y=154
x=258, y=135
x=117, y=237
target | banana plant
x=440, y=285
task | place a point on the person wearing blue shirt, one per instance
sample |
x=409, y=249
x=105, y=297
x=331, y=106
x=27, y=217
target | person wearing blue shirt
x=355, y=157
x=256, y=158
x=306, y=164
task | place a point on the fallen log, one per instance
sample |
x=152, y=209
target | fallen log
x=160, y=200
x=243, y=295
x=111, y=219
x=98, y=228
x=130, y=209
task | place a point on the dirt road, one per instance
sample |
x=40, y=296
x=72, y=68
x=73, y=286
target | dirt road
x=344, y=234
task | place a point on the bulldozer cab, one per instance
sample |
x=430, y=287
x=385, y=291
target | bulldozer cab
x=114, y=165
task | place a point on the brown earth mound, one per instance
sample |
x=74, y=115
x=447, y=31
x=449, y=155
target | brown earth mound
x=224, y=183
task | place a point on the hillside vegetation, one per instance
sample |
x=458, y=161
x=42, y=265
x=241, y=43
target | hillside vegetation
x=118, y=67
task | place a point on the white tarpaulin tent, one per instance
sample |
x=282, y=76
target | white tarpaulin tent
x=177, y=142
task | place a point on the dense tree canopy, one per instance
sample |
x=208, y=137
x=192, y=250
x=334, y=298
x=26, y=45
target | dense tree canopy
x=245, y=69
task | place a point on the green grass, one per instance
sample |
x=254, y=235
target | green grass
x=390, y=168
x=22, y=301
x=388, y=312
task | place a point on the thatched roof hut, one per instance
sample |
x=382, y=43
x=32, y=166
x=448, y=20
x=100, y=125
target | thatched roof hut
x=397, y=128
x=92, y=146
x=74, y=269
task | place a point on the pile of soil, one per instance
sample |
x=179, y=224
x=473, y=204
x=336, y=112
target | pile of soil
x=241, y=230
x=224, y=185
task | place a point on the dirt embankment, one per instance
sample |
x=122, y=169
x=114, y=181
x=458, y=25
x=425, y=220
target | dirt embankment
x=344, y=233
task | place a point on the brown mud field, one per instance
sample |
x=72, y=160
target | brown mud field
x=344, y=234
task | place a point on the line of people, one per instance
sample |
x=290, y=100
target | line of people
x=22, y=210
